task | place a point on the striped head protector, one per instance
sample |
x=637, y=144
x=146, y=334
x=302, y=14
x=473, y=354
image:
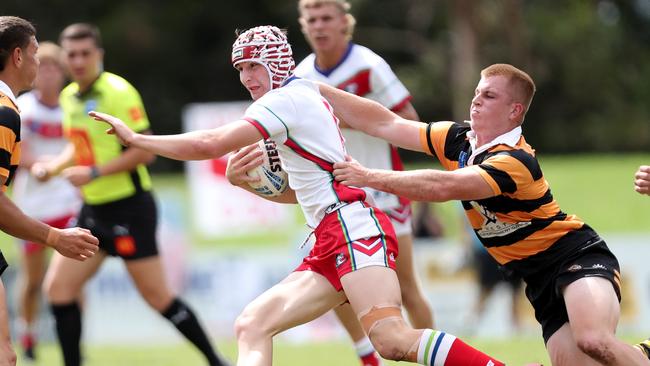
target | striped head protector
x=268, y=46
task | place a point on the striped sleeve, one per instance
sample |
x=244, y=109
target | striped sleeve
x=507, y=171
x=9, y=137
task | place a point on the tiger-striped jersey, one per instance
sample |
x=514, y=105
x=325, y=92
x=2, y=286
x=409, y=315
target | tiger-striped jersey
x=522, y=226
x=364, y=73
x=9, y=135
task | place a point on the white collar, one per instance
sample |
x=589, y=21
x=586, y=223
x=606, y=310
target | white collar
x=510, y=138
x=4, y=89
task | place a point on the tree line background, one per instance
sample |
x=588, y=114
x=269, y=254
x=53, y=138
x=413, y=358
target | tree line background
x=590, y=58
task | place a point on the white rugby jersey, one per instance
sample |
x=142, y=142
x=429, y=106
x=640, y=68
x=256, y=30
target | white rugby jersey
x=366, y=74
x=300, y=121
x=42, y=135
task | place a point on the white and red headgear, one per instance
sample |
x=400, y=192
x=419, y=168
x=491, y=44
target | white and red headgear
x=268, y=46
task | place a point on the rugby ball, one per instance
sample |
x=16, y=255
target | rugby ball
x=273, y=179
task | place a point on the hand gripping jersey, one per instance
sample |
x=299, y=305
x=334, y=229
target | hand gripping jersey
x=366, y=74
x=522, y=225
x=93, y=146
x=309, y=141
x=42, y=136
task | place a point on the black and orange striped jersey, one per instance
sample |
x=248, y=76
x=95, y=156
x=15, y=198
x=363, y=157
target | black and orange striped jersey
x=9, y=139
x=522, y=225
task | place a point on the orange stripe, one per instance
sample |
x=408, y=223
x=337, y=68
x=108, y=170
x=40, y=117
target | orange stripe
x=7, y=138
x=535, y=243
x=423, y=140
x=488, y=179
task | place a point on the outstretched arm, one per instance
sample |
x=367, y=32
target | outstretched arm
x=373, y=118
x=421, y=185
x=195, y=145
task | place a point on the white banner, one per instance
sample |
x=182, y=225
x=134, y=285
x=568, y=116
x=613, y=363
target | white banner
x=218, y=208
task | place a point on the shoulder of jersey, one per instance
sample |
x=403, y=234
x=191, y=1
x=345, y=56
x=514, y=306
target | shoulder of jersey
x=9, y=117
x=116, y=82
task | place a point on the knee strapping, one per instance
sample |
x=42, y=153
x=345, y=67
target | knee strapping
x=377, y=315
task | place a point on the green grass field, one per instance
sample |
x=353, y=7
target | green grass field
x=518, y=351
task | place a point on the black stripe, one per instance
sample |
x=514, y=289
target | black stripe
x=5, y=159
x=12, y=174
x=503, y=179
x=135, y=177
x=10, y=119
x=528, y=160
x=456, y=141
x=429, y=143
x=522, y=233
x=503, y=204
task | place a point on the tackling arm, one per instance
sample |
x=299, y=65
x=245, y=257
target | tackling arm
x=373, y=118
x=421, y=185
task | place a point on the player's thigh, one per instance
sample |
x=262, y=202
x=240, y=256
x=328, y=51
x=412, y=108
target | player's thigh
x=404, y=265
x=65, y=276
x=372, y=286
x=592, y=306
x=299, y=298
x=563, y=351
x=149, y=278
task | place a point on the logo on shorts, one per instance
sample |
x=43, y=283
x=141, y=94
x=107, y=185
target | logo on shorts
x=391, y=256
x=599, y=266
x=574, y=268
x=340, y=259
x=490, y=363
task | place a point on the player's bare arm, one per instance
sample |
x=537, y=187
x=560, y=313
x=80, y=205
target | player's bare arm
x=245, y=159
x=44, y=170
x=372, y=118
x=129, y=160
x=642, y=180
x=421, y=185
x=74, y=243
x=195, y=145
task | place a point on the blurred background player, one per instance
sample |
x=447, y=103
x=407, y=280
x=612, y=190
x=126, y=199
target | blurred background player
x=54, y=202
x=336, y=60
x=18, y=69
x=488, y=275
x=118, y=206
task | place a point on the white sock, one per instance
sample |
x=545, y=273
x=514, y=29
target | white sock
x=364, y=347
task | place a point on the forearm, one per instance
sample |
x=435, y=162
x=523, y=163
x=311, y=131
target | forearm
x=15, y=223
x=359, y=113
x=63, y=160
x=126, y=162
x=418, y=185
x=195, y=145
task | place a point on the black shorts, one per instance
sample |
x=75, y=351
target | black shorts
x=490, y=273
x=126, y=227
x=545, y=290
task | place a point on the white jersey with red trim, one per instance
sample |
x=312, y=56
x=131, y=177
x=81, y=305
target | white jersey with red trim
x=42, y=136
x=300, y=121
x=366, y=74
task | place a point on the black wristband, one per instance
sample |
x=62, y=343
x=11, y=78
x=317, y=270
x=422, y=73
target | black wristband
x=94, y=172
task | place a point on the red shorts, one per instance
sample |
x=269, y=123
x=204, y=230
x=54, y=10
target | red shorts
x=60, y=223
x=350, y=238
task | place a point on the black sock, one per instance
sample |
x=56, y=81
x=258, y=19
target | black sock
x=186, y=322
x=68, y=329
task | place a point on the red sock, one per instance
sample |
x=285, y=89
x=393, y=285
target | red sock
x=442, y=349
x=462, y=354
x=371, y=359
